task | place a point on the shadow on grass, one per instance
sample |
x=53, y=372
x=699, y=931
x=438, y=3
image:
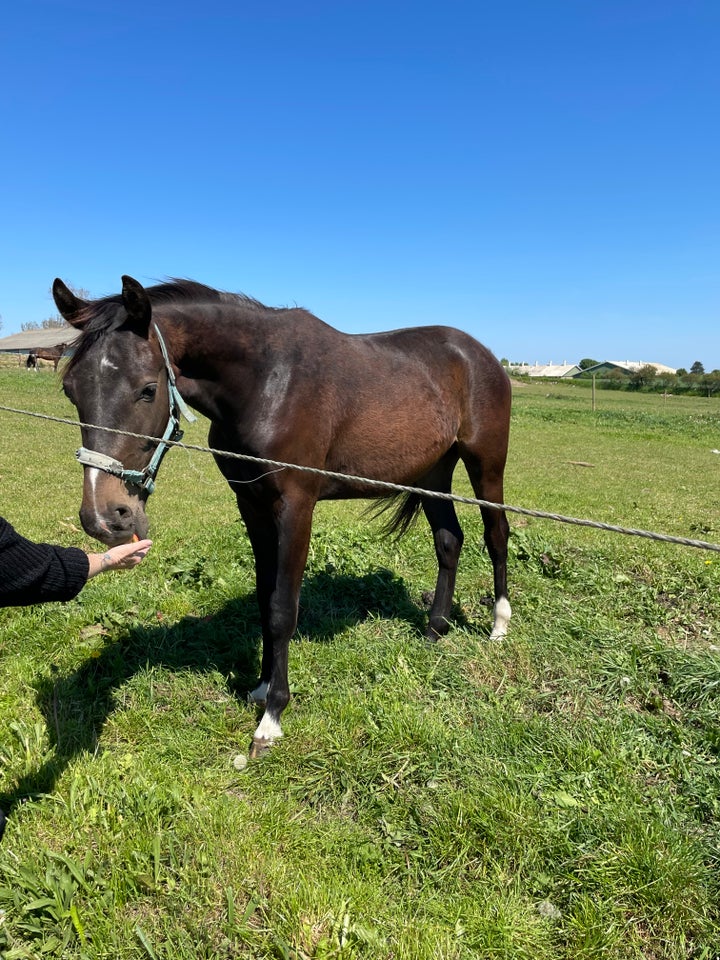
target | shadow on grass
x=76, y=706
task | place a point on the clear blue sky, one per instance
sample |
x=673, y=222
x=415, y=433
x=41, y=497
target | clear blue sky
x=542, y=173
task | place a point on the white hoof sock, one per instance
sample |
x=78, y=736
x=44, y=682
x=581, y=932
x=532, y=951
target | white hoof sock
x=268, y=730
x=501, y=618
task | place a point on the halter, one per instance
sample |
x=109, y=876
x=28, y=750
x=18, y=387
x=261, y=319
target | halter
x=145, y=478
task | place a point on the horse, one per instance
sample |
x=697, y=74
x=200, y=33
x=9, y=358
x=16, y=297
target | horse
x=50, y=354
x=280, y=384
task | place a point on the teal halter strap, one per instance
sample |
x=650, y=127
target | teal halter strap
x=145, y=478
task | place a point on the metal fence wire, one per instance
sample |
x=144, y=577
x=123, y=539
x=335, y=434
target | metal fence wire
x=386, y=486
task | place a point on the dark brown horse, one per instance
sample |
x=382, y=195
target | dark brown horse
x=401, y=407
x=51, y=354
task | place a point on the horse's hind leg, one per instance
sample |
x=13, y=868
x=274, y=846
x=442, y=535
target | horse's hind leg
x=448, y=542
x=486, y=476
x=497, y=531
x=448, y=538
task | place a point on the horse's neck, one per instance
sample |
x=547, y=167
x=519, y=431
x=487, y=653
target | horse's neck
x=202, y=349
x=226, y=355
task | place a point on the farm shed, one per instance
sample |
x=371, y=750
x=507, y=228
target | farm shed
x=624, y=366
x=33, y=339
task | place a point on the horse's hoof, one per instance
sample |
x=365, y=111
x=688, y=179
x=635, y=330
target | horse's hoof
x=259, y=746
x=436, y=630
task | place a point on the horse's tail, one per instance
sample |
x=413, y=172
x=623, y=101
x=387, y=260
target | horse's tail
x=405, y=508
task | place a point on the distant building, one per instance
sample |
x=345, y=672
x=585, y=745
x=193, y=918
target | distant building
x=625, y=366
x=33, y=339
x=569, y=370
x=551, y=369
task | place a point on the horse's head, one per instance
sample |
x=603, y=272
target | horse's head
x=117, y=378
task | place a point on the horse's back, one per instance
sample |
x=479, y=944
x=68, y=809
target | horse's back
x=436, y=346
x=399, y=400
x=443, y=360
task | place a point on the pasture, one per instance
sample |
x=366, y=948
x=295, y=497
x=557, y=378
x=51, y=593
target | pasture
x=552, y=795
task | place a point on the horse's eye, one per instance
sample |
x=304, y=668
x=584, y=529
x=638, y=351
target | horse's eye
x=148, y=392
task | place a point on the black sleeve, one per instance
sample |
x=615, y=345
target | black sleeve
x=38, y=572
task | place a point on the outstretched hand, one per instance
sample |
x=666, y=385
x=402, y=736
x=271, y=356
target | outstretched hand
x=123, y=557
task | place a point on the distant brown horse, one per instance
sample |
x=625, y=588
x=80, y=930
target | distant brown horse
x=401, y=407
x=51, y=354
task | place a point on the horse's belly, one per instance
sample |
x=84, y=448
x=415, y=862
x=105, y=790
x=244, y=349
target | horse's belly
x=400, y=450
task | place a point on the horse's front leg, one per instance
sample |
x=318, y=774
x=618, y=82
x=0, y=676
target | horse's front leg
x=280, y=538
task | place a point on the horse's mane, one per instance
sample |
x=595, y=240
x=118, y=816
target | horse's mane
x=190, y=291
x=180, y=291
x=99, y=317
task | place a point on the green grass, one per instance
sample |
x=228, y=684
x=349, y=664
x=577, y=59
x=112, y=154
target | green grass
x=556, y=795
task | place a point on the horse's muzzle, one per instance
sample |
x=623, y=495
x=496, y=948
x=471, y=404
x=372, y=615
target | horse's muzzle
x=116, y=523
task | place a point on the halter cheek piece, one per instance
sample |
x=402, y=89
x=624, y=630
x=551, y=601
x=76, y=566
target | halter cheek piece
x=145, y=478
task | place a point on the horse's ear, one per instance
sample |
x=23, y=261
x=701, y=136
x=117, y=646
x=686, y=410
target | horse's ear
x=137, y=304
x=69, y=306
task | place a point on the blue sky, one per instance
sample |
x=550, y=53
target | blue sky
x=544, y=175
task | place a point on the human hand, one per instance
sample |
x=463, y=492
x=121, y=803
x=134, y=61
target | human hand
x=123, y=557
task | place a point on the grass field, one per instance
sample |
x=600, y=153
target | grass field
x=555, y=795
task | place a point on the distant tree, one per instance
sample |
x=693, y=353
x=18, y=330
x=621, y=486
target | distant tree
x=643, y=376
x=681, y=372
x=50, y=323
x=614, y=380
x=697, y=368
x=587, y=362
x=711, y=382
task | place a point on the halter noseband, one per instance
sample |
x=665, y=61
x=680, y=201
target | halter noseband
x=145, y=478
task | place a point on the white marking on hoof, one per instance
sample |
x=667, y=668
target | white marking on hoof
x=259, y=694
x=501, y=618
x=268, y=730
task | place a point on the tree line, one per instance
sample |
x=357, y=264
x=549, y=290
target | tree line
x=648, y=379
